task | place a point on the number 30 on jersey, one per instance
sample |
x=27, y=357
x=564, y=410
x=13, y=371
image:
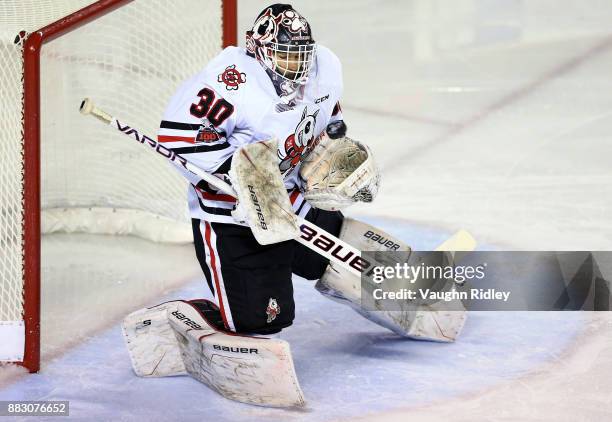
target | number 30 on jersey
x=215, y=111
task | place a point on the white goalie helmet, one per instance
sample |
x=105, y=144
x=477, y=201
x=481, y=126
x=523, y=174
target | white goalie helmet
x=281, y=40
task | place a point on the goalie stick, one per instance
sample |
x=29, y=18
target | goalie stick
x=311, y=236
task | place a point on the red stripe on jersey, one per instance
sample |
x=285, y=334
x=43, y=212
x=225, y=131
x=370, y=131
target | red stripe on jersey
x=217, y=196
x=213, y=261
x=294, y=196
x=228, y=198
x=168, y=138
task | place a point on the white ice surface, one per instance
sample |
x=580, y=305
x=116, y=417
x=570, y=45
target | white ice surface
x=347, y=366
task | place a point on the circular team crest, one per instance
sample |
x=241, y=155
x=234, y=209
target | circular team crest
x=232, y=78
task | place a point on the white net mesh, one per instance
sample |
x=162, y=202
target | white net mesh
x=129, y=62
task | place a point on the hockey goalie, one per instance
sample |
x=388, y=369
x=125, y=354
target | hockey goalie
x=266, y=119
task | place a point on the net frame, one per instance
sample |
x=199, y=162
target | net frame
x=31, y=153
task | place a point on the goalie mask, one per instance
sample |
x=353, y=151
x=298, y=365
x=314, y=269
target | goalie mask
x=281, y=40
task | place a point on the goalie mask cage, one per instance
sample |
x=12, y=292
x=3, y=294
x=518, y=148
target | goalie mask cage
x=129, y=56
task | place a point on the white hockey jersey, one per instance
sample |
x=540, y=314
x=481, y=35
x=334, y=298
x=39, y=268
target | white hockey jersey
x=233, y=102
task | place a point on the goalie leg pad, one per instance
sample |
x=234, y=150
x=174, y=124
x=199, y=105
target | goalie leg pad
x=151, y=343
x=442, y=321
x=247, y=369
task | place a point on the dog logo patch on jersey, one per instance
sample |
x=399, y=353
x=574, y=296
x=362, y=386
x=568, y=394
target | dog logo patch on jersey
x=232, y=78
x=207, y=133
x=272, y=310
x=300, y=143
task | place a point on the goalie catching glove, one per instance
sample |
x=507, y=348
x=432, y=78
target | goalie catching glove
x=338, y=173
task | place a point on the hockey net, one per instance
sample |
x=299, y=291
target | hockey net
x=129, y=56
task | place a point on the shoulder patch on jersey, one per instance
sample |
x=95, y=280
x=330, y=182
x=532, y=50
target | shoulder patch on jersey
x=232, y=78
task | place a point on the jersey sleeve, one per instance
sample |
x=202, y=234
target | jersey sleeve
x=198, y=124
x=331, y=77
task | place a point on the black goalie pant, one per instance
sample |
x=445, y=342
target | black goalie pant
x=251, y=282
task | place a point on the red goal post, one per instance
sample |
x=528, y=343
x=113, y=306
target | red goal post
x=32, y=44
